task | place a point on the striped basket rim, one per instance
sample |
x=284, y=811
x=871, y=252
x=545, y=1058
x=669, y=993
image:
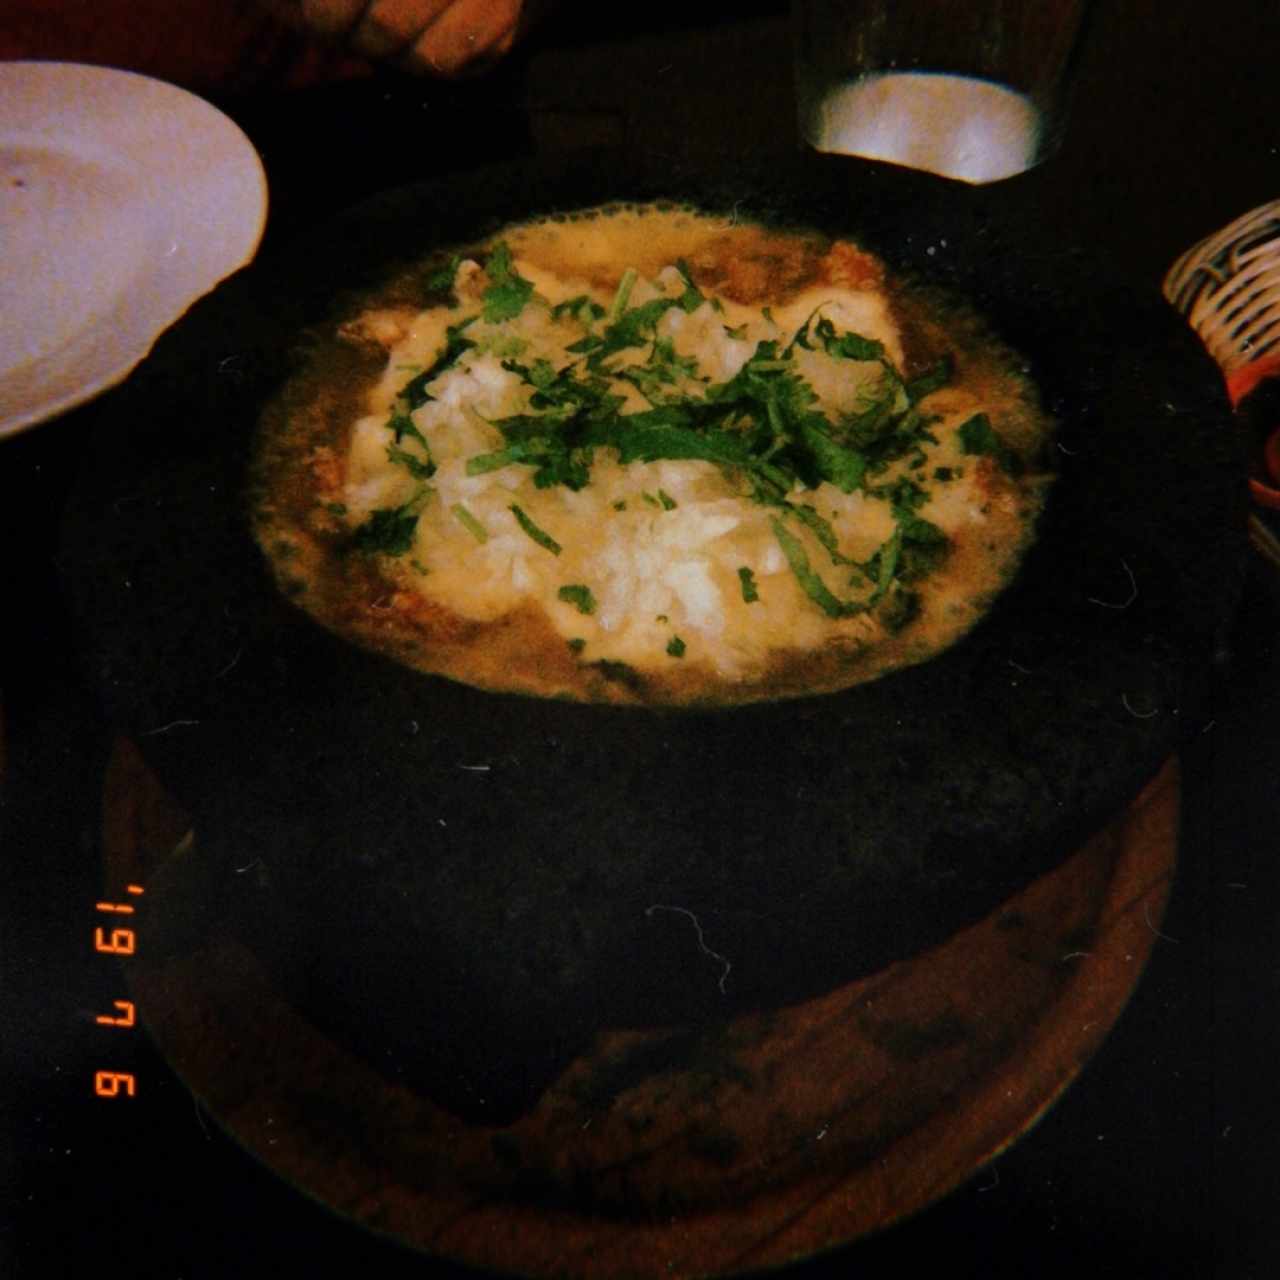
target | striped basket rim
x=1228, y=288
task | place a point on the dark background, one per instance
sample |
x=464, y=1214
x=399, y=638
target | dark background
x=1159, y=1162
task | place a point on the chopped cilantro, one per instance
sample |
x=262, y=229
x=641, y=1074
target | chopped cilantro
x=578, y=596
x=884, y=564
x=919, y=530
x=848, y=346
x=902, y=494
x=763, y=426
x=842, y=466
x=480, y=464
x=916, y=547
x=673, y=432
x=626, y=326
x=662, y=501
x=505, y=346
x=554, y=440
x=508, y=290
x=675, y=647
x=978, y=436
x=924, y=547
x=774, y=405
x=761, y=421
x=812, y=584
x=820, y=528
x=582, y=308
x=470, y=523
x=417, y=467
x=923, y=384
x=899, y=608
x=919, y=559
x=414, y=393
x=389, y=531
x=441, y=280
x=692, y=298
x=620, y=673
x=541, y=537
x=633, y=328
x=577, y=644
x=623, y=294
x=401, y=425
x=661, y=373
x=873, y=423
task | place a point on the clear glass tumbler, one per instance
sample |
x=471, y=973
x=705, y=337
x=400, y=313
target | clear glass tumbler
x=976, y=90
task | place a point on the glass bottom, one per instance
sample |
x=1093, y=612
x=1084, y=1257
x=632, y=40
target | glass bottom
x=956, y=126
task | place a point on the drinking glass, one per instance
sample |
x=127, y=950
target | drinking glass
x=976, y=90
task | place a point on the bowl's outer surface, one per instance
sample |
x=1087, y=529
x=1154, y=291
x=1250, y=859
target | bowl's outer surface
x=466, y=885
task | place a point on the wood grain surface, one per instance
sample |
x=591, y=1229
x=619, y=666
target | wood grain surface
x=704, y=1150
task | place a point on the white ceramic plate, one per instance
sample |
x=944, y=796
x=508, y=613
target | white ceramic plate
x=122, y=200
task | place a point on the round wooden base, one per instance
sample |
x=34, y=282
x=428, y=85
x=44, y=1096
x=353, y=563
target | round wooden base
x=677, y=1151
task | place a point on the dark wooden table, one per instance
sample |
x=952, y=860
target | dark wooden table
x=1160, y=1161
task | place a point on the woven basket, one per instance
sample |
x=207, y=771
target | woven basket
x=1228, y=288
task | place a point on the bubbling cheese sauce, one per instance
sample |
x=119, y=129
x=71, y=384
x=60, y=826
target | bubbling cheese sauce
x=647, y=454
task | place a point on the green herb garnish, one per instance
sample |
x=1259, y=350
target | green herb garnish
x=583, y=309
x=417, y=467
x=441, y=280
x=578, y=596
x=508, y=290
x=978, y=436
x=389, y=531
x=693, y=297
x=623, y=294
x=620, y=673
x=915, y=548
x=414, y=394
x=401, y=425
x=470, y=523
x=763, y=427
x=899, y=608
x=847, y=346
x=810, y=581
x=923, y=384
x=540, y=536
x=661, y=373
x=820, y=528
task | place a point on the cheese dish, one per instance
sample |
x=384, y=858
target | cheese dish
x=648, y=454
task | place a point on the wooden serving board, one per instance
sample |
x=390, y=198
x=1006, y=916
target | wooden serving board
x=712, y=1150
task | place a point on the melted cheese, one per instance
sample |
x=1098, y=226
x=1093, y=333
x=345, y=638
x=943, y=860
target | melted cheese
x=540, y=589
